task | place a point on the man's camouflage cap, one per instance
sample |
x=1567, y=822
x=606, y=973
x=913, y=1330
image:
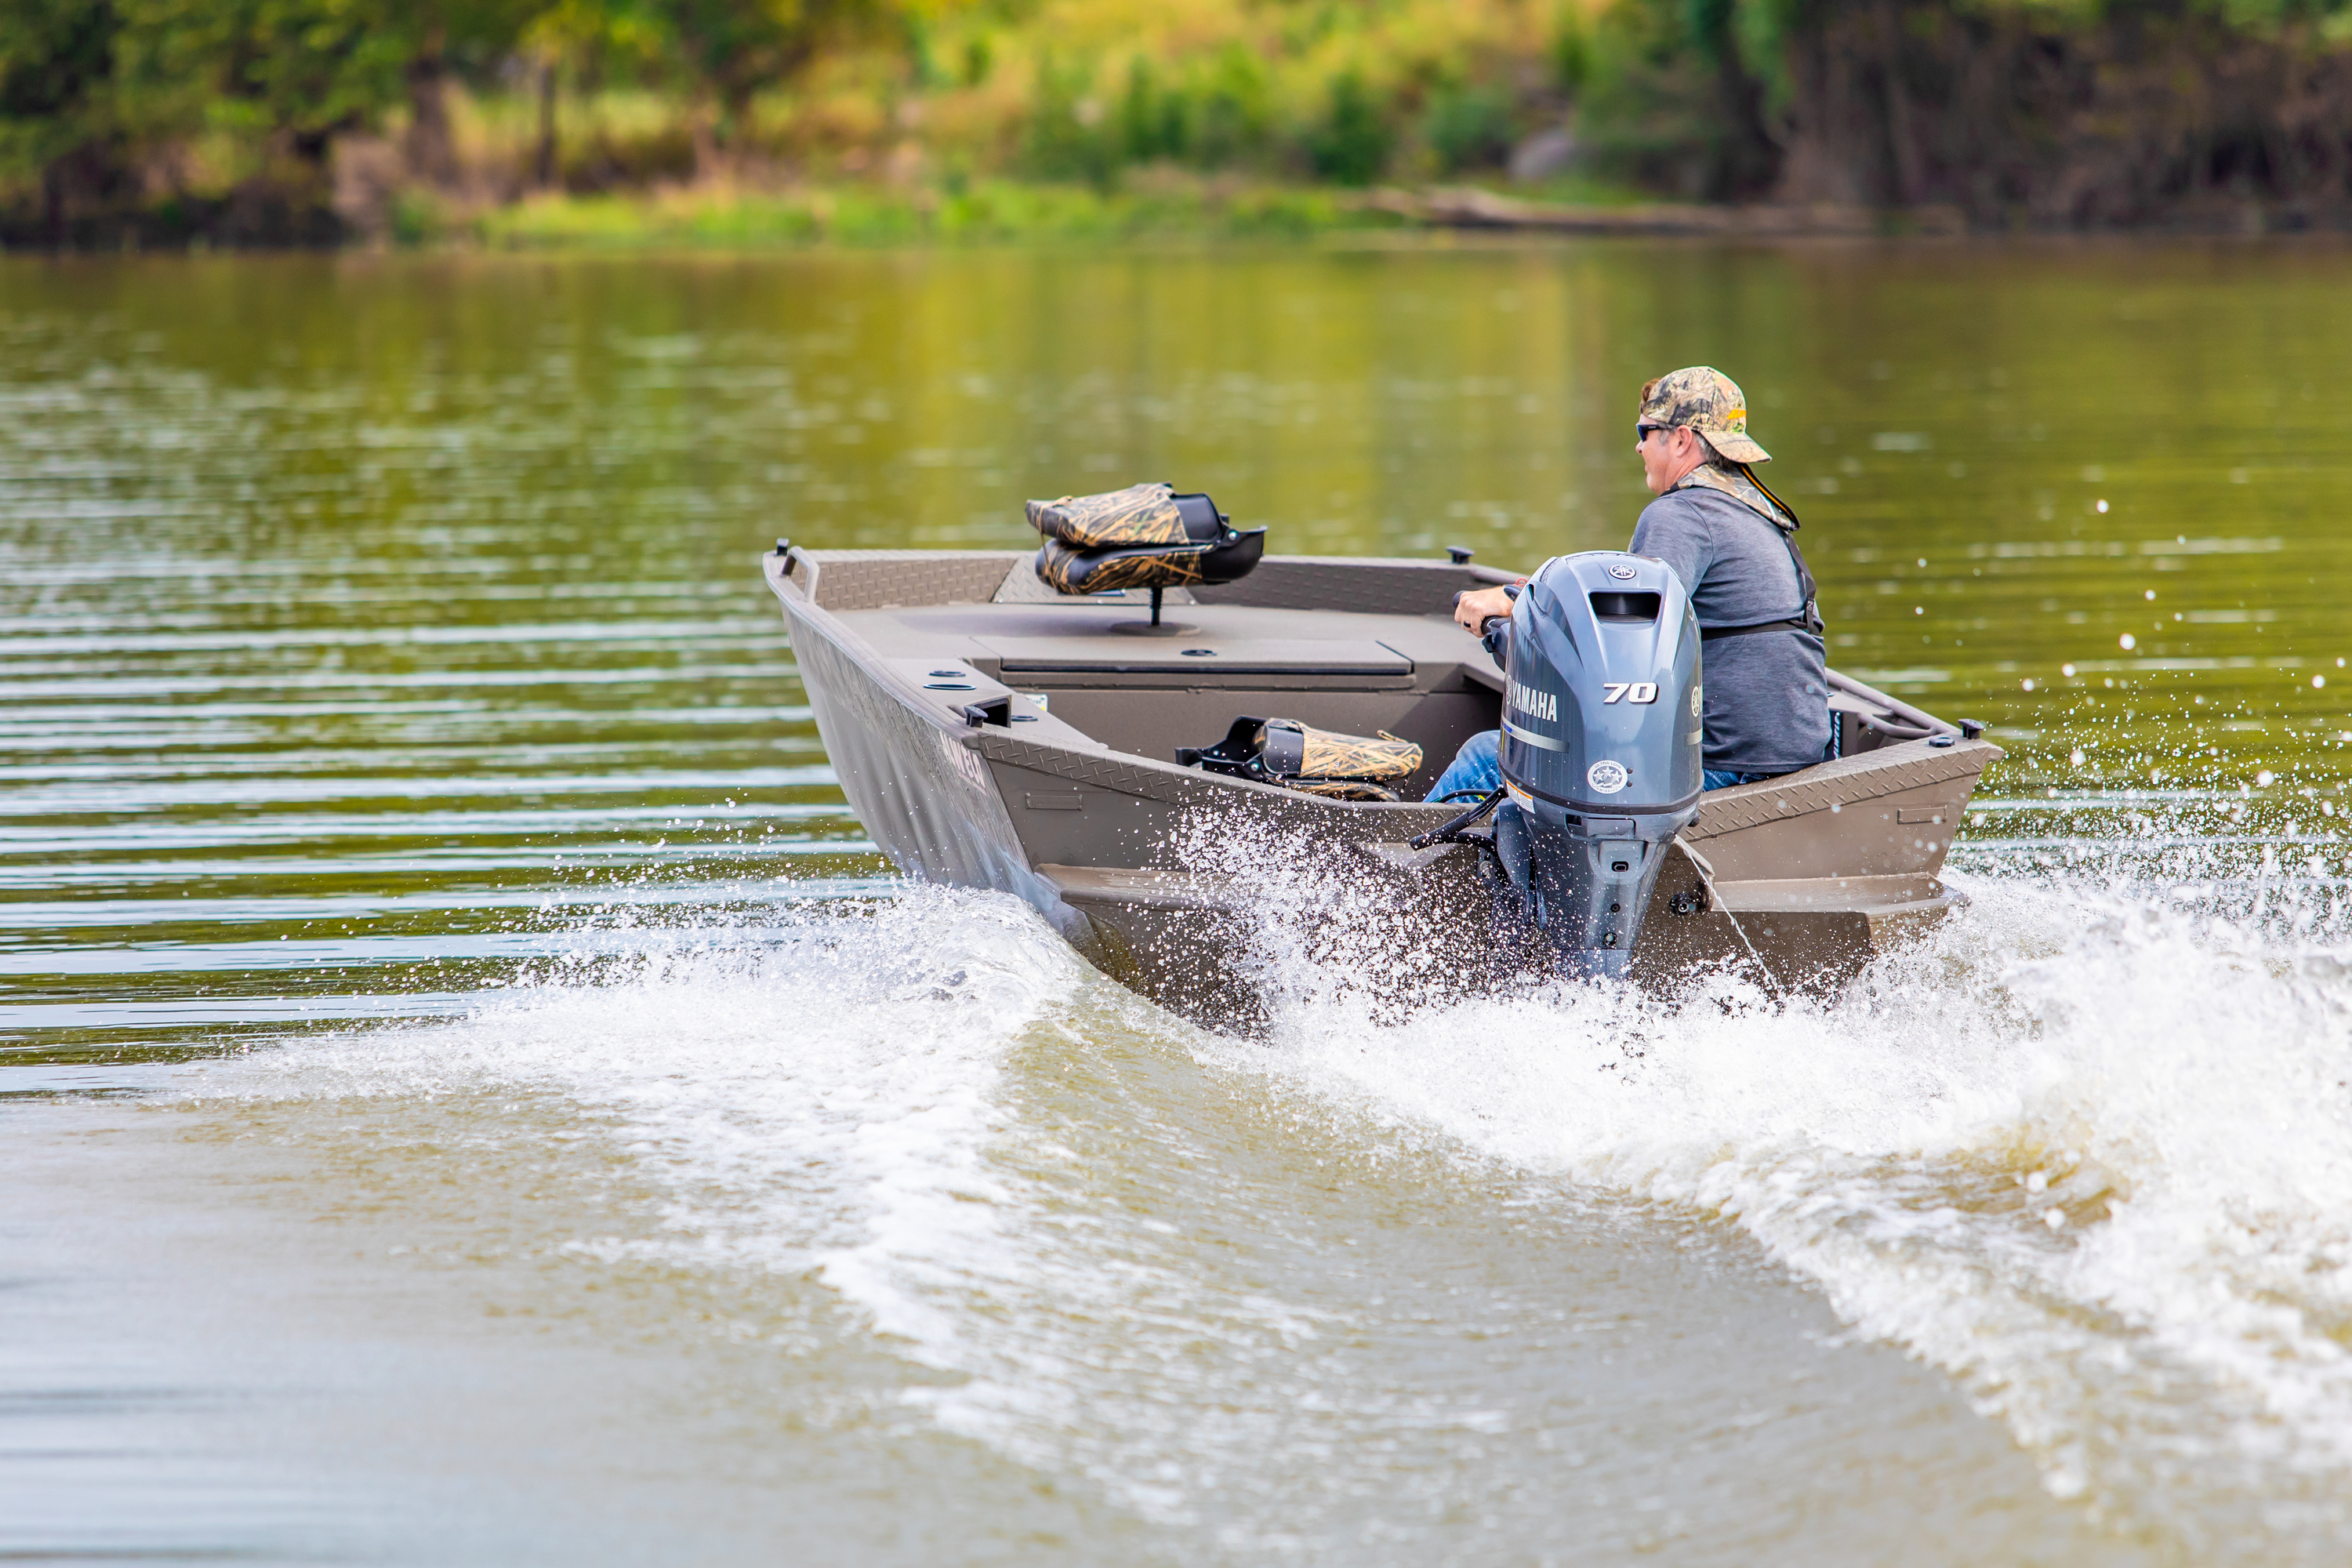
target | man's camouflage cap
x=1704, y=399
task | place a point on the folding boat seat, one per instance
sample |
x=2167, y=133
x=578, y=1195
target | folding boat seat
x=1145, y=536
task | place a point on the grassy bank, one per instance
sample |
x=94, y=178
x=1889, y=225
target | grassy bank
x=986, y=212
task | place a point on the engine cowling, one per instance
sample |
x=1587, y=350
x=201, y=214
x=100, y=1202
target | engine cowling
x=1600, y=751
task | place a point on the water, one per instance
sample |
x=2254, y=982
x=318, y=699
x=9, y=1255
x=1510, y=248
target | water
x=472, y=1093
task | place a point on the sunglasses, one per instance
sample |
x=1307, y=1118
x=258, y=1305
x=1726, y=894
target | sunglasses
x=1644, y=432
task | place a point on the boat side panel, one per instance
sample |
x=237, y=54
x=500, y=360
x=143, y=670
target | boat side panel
x=1892, y=812
x=1687, y=931
x=1063, y=821
x=916, y=784
x=1108, y=808
x=1070, y=813
x=1814, y=951
x=1180, y=958
x=1909, y=832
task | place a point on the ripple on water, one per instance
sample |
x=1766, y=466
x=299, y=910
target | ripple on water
x=2085, y=1152
x=405, y=776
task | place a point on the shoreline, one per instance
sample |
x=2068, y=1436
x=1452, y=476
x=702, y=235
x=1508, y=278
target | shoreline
x=874, y=216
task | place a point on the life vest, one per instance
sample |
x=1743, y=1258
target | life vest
x=1738, y=482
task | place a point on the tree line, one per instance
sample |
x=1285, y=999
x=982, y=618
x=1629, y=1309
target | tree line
x=96, y=94
x=2014, y=112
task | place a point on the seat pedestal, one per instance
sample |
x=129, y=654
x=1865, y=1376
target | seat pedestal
x=1155, y=626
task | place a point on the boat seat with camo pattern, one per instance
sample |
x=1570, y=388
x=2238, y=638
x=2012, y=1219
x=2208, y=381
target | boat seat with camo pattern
x=1145, y=536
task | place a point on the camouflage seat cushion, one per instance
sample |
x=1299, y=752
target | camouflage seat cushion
x=1139, y=515
x=1145, y=536
x=1317, y=762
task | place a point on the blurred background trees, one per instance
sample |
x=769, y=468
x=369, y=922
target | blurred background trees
x=313, y=119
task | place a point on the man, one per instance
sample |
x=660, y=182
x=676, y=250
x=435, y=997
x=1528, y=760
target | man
x=1727, y=537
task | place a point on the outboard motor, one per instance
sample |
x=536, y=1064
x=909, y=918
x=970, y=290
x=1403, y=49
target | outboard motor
x=1600, y=751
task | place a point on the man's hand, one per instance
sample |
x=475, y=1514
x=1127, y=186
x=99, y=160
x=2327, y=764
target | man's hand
x=1472, y=610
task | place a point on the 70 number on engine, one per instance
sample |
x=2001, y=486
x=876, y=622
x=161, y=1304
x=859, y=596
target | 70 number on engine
x=1628, y=691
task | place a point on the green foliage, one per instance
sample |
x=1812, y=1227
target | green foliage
x=104, y=101
x=78, y=76
x=1351, y=146
x=88, y=88
x=1668, y=103
x=1760, y=30
x=1217, y=115
x=56, y=67
x=303, y=68
x=1066, y=138
x=1154, y=122
x=1571, y=54
x=923, y=71
x=982, y=213
x=1231, y=112
x=600, y=39
x=415, y=219
x=1470, y=127
x=2267, y=17
x=1706, y=23
x=736, y=47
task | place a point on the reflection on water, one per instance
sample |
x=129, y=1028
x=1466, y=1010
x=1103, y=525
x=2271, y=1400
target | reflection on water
x=555, y=1135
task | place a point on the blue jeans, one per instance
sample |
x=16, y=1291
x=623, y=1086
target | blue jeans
x=1477, y=767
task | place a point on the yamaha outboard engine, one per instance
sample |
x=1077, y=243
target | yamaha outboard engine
x=1600, y=751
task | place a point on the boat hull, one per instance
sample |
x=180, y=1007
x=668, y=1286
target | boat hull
x=1146, y=866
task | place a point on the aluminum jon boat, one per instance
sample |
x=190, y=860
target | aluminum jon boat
x=995, y=730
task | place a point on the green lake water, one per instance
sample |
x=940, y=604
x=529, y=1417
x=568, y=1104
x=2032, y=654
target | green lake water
x=473, y=1093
